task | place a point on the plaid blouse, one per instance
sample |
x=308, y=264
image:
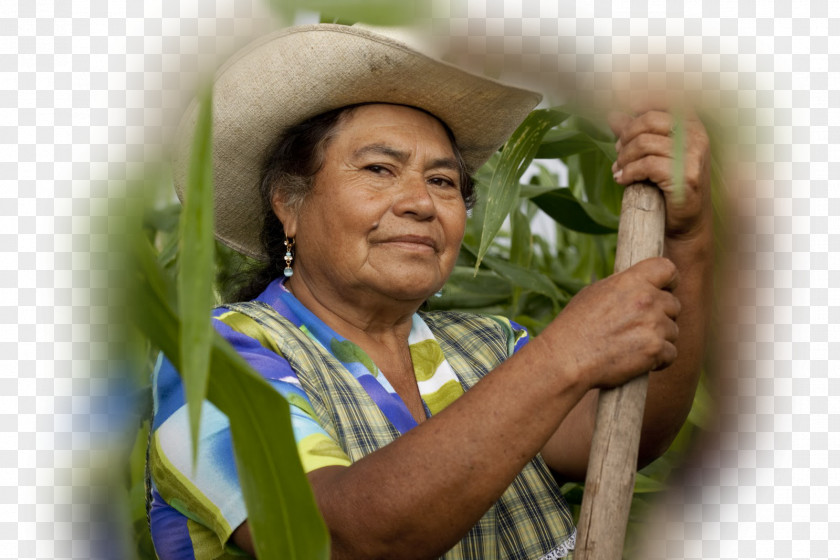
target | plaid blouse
x=343, y=408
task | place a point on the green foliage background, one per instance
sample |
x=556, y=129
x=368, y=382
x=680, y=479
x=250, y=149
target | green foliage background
x=505, y=267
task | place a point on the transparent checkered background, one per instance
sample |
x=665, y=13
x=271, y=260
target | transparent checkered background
x=87, y=90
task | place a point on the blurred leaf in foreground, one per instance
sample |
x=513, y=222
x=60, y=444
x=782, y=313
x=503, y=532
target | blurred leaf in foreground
x=195, y=277
x=282, y=514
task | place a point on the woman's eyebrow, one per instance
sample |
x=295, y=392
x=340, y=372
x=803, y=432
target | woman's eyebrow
x=382, y=150
x=402, y=156
x=444, y=163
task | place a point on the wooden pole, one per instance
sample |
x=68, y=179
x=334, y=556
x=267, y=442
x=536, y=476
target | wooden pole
x=618, y=423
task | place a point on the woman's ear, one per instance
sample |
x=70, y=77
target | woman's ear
x=285, y=214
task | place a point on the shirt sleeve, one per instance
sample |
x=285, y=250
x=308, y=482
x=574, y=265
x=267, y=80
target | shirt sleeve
x=517, y=335
x=210, y=494
x=315, y=447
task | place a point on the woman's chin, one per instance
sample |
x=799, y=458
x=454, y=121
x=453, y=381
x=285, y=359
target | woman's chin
x=414, y=292
x=412, y=295
x=405, y=283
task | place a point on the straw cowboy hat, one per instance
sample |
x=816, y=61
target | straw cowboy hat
x=301, y=72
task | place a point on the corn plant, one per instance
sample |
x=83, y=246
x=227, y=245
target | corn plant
x=505, y=267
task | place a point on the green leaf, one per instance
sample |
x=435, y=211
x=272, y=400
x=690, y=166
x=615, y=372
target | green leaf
x=137, y=472
x=163, y=219
x=535, y=325
x=647, y=485
x=467, y=290
x=517, y=155
x=565, y=281
x=284, y=520
x=170, y=252
x=572, y=492
x=703, y=407
x=599, y=186
x=195, y=278
x=604, y=254
x=530, y=191
x=144, y=257
x=607, y=148
x=524, y=277
x=484, y=174
x=562, y=205
x=590, y=123
x=521, y=246
x=680, y=446
x=562, y=143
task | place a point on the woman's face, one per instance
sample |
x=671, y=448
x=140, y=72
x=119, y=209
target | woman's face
x=386, y=215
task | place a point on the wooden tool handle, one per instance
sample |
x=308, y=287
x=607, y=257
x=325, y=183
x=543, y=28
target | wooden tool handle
x=618, y=423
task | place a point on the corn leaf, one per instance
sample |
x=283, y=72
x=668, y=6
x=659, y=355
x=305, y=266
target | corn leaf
x=562, y=143
x=466, y=290
x=526, y=278
x=521, y=243
x=565, y=282
x=523, y=277
x=575, y=214
x=646, y=485
x=162, y=219
x=195, y=278
x=517, y=155
x=703, y=407
x=284, y=520
x=597, y=182
x=530, y=191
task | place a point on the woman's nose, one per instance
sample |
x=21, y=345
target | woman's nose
x=415, y=199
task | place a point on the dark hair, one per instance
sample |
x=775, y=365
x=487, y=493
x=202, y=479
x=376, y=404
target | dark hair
x=290, y=167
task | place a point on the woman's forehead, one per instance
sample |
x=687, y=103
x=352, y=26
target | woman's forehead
x=368, y=122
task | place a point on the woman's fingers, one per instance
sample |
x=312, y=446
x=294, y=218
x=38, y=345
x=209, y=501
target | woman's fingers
x=653, y=122
x=644, y=145
x=666, y=357
x=646, y=152
x=653, y=168
x=623, y=325
x=659, y=309
x=659, y=271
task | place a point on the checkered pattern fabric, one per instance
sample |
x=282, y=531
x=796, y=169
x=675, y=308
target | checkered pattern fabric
x=530, y=520
x=88, y=90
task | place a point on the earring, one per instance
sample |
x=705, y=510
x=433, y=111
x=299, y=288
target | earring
x=289, y=243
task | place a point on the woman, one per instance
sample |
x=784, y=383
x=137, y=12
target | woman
x=422, y=435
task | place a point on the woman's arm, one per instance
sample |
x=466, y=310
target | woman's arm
x=416, y=497
x=645, y=153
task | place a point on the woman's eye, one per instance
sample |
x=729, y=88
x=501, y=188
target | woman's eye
x=442, y=181
x=377, y=169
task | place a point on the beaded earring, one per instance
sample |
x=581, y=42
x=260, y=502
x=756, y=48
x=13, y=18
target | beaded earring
x=289, y=243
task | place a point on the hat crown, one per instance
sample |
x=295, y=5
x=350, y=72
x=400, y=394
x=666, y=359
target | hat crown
x=290, y=76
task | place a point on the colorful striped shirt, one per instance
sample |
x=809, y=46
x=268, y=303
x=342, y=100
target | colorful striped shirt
x=194, y=512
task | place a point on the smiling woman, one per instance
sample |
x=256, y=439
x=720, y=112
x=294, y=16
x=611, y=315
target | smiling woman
x=384, y=220
x=438, y=434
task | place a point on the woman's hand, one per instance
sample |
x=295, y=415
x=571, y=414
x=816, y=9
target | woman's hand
x=622, y=326
x=646, y=151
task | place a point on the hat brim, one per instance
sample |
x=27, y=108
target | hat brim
x=304, y=71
